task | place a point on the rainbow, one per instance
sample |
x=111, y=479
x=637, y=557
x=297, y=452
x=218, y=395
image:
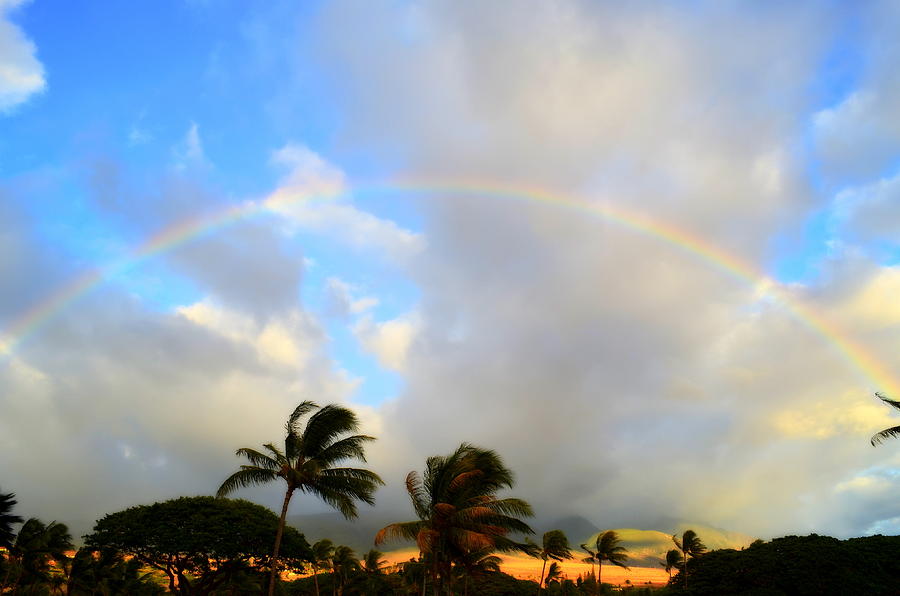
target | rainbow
x=183, y=232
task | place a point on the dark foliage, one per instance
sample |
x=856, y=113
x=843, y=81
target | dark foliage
x=805, y=565
x=7, y=519
x=200, y=543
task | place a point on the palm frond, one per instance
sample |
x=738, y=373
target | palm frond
x=246, y=476
x=887, y=400
x=277, y=455
x=299, y=412
x=417, y=494
x=399, y=531
x=352, y=447
x=887, y=433
x=258, y=459
x=325, y=426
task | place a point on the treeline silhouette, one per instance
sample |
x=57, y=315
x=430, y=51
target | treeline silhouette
x=216, y=546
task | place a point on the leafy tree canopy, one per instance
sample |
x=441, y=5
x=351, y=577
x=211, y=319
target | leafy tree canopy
x=804, y=565
x=198, y=541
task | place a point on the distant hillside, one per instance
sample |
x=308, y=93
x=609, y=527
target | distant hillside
x=647, y=547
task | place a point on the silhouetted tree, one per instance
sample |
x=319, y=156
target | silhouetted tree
x=322, y=552
x=199, y=543
x=459, y=511
x=308, y=464
x=554, y=546
x=606, y=548
x=672, y=560
x=689, y=545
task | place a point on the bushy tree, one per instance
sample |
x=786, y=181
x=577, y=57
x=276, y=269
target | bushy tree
x=199, y=543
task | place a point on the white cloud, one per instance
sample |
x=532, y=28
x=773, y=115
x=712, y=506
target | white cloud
x=389, y=341
x=21, y=73
x=288, y=341
x=313, y=197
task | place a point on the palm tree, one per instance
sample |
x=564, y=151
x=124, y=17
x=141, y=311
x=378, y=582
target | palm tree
x=555, y=546
x=887, y=433
x=606, y=548
x=415, y=572
x=373, y=563
x=554, y=574
x=7, y=519
x=307, y=464
x=322, y=551
x=343, y=563
x=459, y=511
x=36, y=545
x=475, y=563
x=673, y=559
x=690, y=545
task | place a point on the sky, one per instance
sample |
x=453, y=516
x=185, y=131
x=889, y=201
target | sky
x=648, y=252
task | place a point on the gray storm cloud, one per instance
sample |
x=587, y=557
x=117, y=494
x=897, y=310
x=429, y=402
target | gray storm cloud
x=624, y=380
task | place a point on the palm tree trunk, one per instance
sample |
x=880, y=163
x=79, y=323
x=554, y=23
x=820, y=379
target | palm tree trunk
x=685, y=569
x=284, y=508
x=541, y=580
x=316, y=578
x=599, y=574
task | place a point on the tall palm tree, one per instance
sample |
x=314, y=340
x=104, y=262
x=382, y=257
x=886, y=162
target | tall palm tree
x=322, y=552
x=307, y=464
x=689, y=545
x=554, y=546
x=7, y=519
x=606, y=548
x=459, y=511
x=672, y=560
x=343, y=563
x=887, y=433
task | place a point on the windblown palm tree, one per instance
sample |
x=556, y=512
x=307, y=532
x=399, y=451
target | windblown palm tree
x=373, y=563
x=7, y=519
x=555, y=546
x=37, y=545
x=307, y=464
x=322, y=552
x=343, y=563
x=689, y=545
x=606, y=548
x=673, y=559
x=476, y=563
x=554, y=574
x=887, y=433
x=459, y=511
